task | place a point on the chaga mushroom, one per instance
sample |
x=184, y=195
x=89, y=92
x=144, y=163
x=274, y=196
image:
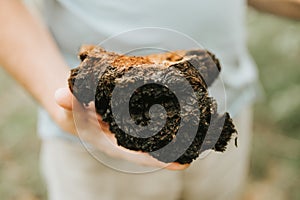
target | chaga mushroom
x=157, y=103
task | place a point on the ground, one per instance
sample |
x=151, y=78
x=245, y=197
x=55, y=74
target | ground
x=274, y=172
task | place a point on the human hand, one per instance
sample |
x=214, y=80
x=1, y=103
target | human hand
x=97, y=132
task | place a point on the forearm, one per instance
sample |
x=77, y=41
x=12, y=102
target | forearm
x=286, y=8
x=30, y=55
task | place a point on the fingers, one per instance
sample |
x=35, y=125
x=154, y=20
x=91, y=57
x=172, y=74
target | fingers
x=147, y=160
x=63, y=98
x=177, y=166
x=111, y=148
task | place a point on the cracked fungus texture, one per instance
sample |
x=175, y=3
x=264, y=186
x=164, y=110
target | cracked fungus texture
x=185, y=123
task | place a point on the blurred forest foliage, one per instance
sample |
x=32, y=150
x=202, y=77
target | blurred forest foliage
x=274, y=174
x=275, y=167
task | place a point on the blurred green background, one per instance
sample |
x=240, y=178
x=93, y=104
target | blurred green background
x=275, y=164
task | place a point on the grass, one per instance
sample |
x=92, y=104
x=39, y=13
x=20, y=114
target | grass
x=19, y=146
x=274, y=173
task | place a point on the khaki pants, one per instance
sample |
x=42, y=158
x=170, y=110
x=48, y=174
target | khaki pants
x=71, y=173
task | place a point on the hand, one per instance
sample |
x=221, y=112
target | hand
x=96, y=132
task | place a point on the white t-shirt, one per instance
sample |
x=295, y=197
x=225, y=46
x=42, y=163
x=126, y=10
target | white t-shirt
x=217, y=25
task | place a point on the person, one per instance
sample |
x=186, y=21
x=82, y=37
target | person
x=36, y=52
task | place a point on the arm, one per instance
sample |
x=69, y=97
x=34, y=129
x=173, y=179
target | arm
x=286, y=8
x=29, y=54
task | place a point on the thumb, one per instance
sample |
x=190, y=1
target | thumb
x=64, y=98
